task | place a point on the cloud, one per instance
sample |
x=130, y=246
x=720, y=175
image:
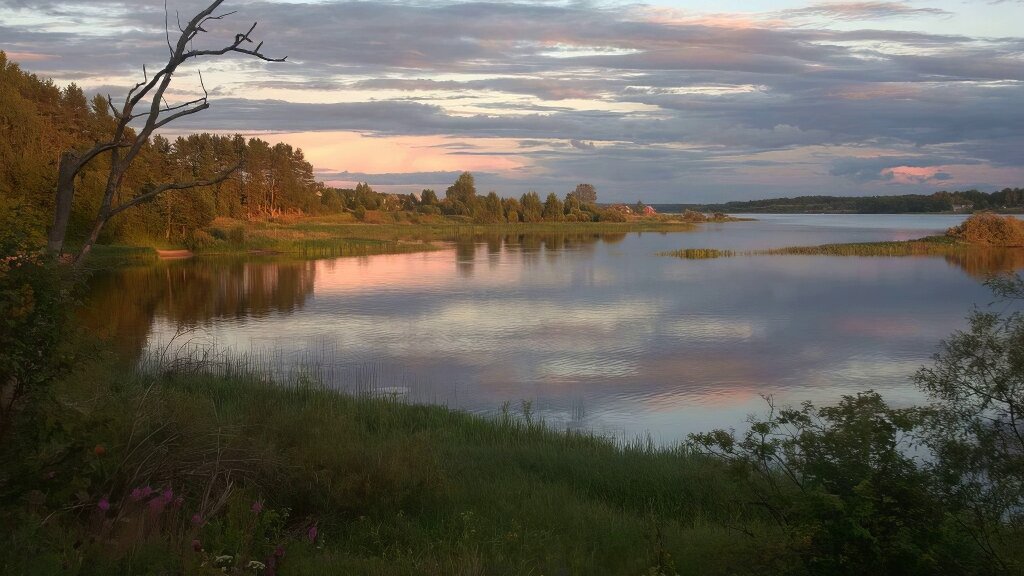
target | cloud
x=669, y=101
x=862, y=11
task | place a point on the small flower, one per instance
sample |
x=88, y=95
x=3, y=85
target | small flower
x=167, y=496
x=312, y=533
x=141, y=493
x=197, y=519
x=197, y=545
x=99, y=450
x=257, y=507
x=279, y=552
x=255, y=565
x=103, y=504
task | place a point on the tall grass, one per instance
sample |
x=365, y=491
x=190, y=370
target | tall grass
x=393, y=487
x=699, y=253
x=930, y=246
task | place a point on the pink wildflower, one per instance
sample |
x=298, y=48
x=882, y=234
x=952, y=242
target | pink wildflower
x=257, y=507
x=197, y=519
x=167, y=496
x=141, y=493
x=103, y=504
x=312, y=533
x=279, y=551
x=197, y=545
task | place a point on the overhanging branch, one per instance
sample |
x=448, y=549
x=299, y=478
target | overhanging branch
x=220, y=177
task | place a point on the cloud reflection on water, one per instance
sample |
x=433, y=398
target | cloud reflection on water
x=600, y=335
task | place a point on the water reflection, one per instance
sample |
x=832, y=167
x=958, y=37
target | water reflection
x=984, y=263
x=596, y=330
x=123, y=304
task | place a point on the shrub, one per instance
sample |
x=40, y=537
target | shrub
x=612, y=215
x=32, y=313
x=237, y=235
x=990, y=229
x=692, y=216
x=200, y=239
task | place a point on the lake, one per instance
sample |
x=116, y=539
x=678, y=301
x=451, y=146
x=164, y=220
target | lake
x=594, y=332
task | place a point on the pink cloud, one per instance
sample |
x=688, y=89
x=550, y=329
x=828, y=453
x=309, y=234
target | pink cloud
x=30, y=57
x=915, y=174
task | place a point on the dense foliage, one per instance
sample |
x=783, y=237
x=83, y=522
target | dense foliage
x=39, y=120
x=988, y=229
x=864, y=488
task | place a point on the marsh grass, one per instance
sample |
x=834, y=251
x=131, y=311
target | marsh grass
x=929, y=246
x=699, y=253
x=394, y=487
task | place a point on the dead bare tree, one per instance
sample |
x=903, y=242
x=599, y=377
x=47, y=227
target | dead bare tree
x=154, y=112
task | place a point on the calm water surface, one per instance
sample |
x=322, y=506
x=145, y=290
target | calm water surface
x=597, y=332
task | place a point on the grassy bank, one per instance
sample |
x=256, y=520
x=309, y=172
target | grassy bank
x=390, y=489
x=342, y=235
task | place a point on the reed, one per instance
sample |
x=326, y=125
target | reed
x=699, y=253
x=394, y=487
x=929, y=246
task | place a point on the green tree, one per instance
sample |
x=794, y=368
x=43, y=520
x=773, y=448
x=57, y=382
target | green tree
x=145, y=105
x=532, y=207
x=463, y=190
x=428, y=197
x=572, y=203
x=553, y=209
x=492, y=211
x=975, y=427
x=585, y=193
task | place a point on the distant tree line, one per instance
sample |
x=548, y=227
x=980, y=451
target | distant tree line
x=462, y=201
x=957, y=201
x=39, y=120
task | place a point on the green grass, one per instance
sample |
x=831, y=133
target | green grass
x=393, y=488
x=340, y=236
x=110, y=256
x=928, y=246
x=699, y=253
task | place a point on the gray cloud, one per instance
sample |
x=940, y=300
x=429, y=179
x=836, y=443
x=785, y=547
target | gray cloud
x=863, y=10
x=724, y=93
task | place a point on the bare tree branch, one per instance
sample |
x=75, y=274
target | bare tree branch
x=124, y=144
x=217, y=179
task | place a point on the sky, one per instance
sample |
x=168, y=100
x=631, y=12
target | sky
x=672, y=101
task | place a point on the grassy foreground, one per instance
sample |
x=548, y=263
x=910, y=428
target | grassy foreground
x=183, y=471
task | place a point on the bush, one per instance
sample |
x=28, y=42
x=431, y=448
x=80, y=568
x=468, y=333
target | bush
x=692, y=216
x=237, y=235
x=199, y=240
x=611, y=215
x=33, y=302
x=990, y=230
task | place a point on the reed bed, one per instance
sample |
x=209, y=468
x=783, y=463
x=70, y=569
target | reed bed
x=930, y=246
x=923, y=247
x=397, y=487
x=699, y=253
